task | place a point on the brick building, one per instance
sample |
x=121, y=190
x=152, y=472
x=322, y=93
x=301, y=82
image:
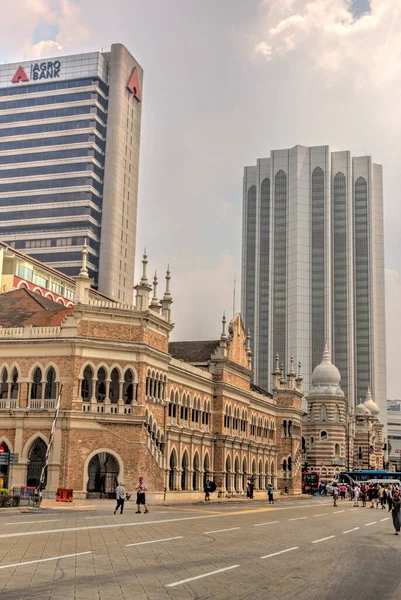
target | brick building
x=133, y=403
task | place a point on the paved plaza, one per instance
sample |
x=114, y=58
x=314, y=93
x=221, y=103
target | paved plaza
x=298, y=548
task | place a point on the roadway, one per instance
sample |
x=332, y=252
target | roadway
x=296, y=549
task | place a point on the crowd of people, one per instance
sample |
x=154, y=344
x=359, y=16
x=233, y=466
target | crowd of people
x=385, y=495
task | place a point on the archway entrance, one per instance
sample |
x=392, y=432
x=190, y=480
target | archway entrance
x=103, y=471
x=37, y=459
x=4, y=469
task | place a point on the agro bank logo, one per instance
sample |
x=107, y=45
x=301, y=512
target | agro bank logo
x=49, y=69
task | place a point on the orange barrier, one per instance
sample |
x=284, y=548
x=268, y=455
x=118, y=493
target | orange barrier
x=64, y=495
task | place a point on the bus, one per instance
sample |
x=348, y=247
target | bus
x=310, y=482
x=366, y=475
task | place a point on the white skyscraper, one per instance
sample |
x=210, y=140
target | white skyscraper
x=313, y=266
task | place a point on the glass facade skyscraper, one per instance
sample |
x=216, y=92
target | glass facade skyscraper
x=69, y=158
x=313, y=266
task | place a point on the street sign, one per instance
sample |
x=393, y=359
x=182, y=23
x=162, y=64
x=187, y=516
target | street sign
x=4, y=458
x=13, y=458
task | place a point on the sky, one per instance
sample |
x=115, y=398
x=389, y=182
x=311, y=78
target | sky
x=226, y=81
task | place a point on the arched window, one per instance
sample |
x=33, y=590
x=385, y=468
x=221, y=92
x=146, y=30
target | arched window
x=101, y=385
x=337, y=450
x=36, y=385
x=86, y=384
x=289, y=428
x=228, y=472
x=173, y=467
x=303, y=445
x=284, y=424
x=312, y=441
x=14, y=384
x=337, y=417
x=284, y=465
x=323, y=413
x=114, y=389
x=206, y=469
x=317, y=264
x=171, y=404
x=323, y=436
x=289, y=463
x=184, y=472
x=244, y=474
x=50, y=388
x=4, y=384
x=195, y=473
x=260, y=475
x=129, y=387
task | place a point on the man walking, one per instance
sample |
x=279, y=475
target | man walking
x=120, y=495
x=140, y=495
x=270, y=491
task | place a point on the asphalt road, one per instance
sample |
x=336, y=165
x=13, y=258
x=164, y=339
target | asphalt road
x=301, y=549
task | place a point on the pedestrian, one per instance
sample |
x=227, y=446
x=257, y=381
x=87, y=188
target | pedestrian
x=362, y=495
x=270, y=491
x=140, y=495
x=207, y=490
x=357, y=491
x=383, y=496
x=249, y=489
x=395, y=512
x=375, y=497
x=389, y=497
x=343, y=491
x=335, y=494
x=120, y=495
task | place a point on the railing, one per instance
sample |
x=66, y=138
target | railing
x=29, y=332
x=8, y=404
x=155, y=451
x=112, y=409
x=110, y=304
x=39, y=404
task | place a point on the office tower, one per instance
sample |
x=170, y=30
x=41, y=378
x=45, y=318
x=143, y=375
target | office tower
x=313, y=266
x=69, y=157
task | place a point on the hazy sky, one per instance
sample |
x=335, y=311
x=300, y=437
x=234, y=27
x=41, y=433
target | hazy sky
x=226, y=81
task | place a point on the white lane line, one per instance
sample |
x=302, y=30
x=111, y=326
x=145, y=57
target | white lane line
x=386, y=519
x=324, y=539
x=221, y=530
x=351, y=509
x=337, y=512
x=29, y=522
x=267, y=523
x=31, y=562
x=349, y=530
x=179, y=537
x=372, y=523
x=182, y=581
x=297, y=518
x=281, y=552
x=320, y=515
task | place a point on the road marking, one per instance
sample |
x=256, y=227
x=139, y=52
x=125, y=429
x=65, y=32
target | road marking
x=29, y=522
x=281, y=552
x=267, y=523
x=337, y=512
x=349, y=530
x=324, y=539
x=386, y=519
x=221, y=530
x=31, y=562
x=182, y=581
x=179, y=537
x=320, y=515
x=351, y=509
x=372, y=523
x=297, y=518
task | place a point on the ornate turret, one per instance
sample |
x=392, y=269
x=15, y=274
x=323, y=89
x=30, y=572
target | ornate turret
x=143, y=288
x=371, y=404
x=167, y=299
x=248, y=350
x=155, y=305
x=83, y=281
x=326, y=378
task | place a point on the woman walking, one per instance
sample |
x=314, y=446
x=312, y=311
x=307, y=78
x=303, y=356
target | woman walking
x=335, y=494
x=395, y=512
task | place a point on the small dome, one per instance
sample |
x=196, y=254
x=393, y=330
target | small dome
x=371, y=404
x=326, y=378
x=362, y=410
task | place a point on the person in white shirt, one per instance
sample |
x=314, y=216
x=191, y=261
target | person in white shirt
x=120, y=495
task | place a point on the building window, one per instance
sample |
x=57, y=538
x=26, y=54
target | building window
x=323, y=436
x=55, y=287
x=39, y=280
x=25, y=273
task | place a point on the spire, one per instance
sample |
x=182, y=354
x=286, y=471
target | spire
x=277, y=363
x=167, y=299
x=282, y=380
x=143, y=288
x=248, y=349
x=276, y=373
x=291, y=375
x=299, y=378
x=84, y=269
x=326, y=355
x=155, y=304
x=223, y=332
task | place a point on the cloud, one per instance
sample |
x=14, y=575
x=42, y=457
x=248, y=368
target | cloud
x=329, y=34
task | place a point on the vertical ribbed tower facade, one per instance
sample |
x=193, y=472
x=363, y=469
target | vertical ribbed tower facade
x=313, y=266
